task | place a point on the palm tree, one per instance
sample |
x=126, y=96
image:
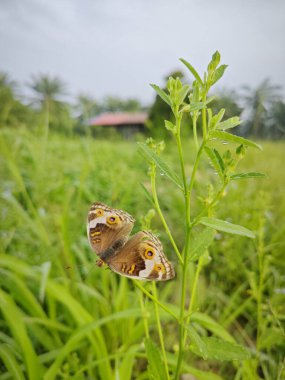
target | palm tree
x=12, y=111
x=49, y=91
x=87, y=107
x=277, y=120
x=257, y=101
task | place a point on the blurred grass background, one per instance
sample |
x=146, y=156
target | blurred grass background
x=63, y=318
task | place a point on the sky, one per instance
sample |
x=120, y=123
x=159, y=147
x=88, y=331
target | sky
x=118, y=47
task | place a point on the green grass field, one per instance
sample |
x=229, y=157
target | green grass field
x=62, y=317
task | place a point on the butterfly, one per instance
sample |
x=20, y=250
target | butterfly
x=139, y=256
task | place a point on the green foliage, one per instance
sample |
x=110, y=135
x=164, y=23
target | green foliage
x=213, y=127
x=217, y=349
x=12, y=112
x=155, y=363
x=54, y=113
x=63, y=318
x=222, y=225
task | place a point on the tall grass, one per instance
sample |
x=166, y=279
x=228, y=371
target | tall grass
x=63, y=318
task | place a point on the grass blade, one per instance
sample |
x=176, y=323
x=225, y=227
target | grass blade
x=14, y=321
x=247, y=175
x=10, y=362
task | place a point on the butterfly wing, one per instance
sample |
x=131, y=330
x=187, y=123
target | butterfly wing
x=107, y=227
x=142, y=257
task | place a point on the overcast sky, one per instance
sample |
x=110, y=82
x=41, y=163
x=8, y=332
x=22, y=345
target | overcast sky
x=118, y=47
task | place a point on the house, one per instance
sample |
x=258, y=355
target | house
x=126, y=123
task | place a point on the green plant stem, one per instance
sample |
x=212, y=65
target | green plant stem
x=195, y=133
x=204, y=118
x=187, y=192
x=138, y=285
x=210, y=205
x=193, y=293
x=260, y=253
x=186, y=252
x=181, y=159
x=196, y=164
x=158, y=209
x=145, y=322
x=160, y=332
x=182, y=306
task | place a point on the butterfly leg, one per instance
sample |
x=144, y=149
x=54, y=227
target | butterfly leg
x=99, y=262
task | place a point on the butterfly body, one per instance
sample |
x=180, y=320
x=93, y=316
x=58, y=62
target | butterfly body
x=140, y=256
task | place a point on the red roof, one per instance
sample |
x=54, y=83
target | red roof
x=122, y=118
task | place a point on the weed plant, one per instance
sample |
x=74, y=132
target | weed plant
x=220, y=318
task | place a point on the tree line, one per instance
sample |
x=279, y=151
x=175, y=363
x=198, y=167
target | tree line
x=262, y=108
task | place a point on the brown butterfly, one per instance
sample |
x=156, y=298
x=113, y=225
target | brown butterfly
x=140, y=256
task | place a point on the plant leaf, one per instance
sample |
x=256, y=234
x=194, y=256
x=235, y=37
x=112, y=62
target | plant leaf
x=10, y=362
x=222, y=225
x=192, y=70
x=162, y=94
x=247, y=175
x=211, y=325
x=182, y=93
x=197, y=342
x=218, y=349
x=147, y=194
x=221, y=135
x=196, y=106
x=219, y=73
x=229, y=123
x=155, y=363
x=216, y=160
x=200, y=243
x=153, y=157
x=170, y=126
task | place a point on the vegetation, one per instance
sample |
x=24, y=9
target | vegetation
x=220, y=318
x=262, y=109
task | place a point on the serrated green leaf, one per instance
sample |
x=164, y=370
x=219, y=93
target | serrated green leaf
x=196, y=106
x=218, y=349
x=197, y=373
x=196, y=342
x=200, y=243
x=165, y=169
x=216, y=160
x=196, y=91
x=247, y=175
x=214, y=62
x=192, y=70
x=182, y=93
x=155, y=364
x=211, y=325
x=219, y=73
x=222, y=225
x=216, y=119
x=224, y=136
x=229, y=123
x=216, y=57
x=162, y=94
